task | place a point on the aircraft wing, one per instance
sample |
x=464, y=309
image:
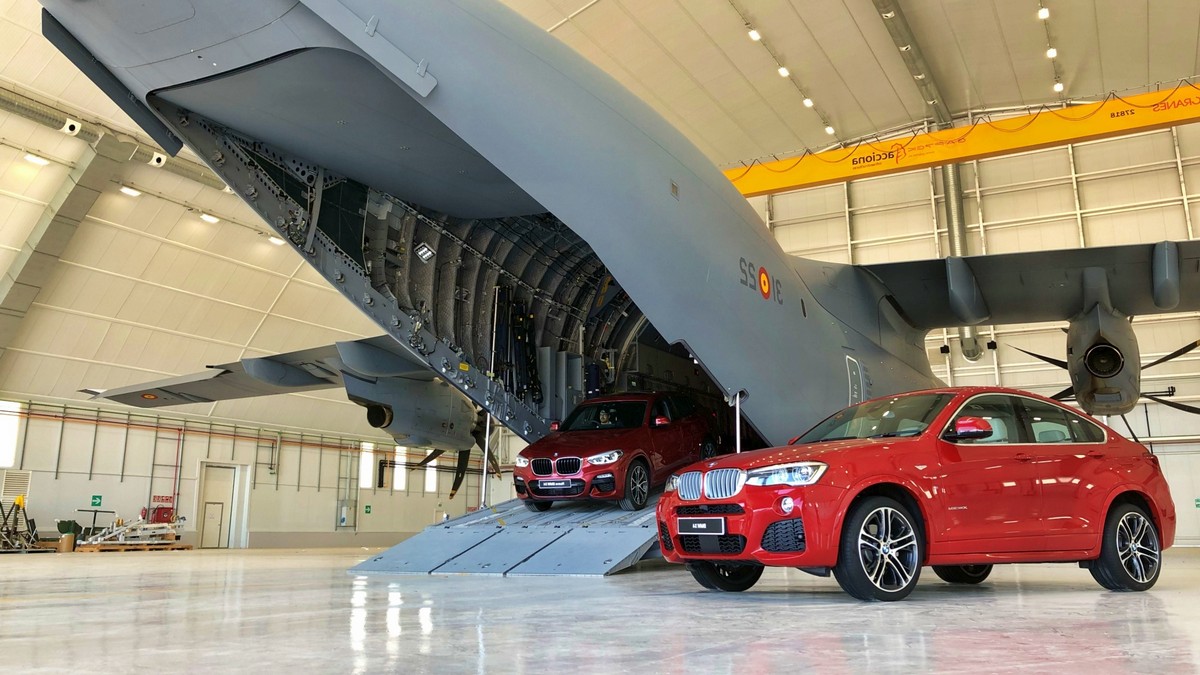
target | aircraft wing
x=1043, y=285
x=304, y=370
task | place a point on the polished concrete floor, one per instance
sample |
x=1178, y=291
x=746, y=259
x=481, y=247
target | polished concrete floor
x=277, y=612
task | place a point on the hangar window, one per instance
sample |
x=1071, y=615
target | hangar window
x=366, y=465
x=431, y=478
x=10, y=420
x=400, y=469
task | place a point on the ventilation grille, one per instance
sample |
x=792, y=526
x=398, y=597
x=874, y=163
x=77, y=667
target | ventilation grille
x=15, y=484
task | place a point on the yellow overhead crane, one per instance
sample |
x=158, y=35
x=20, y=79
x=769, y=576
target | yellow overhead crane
x=1114, y=116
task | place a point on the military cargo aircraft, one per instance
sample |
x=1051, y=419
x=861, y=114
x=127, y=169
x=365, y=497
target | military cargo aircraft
x=461, y=176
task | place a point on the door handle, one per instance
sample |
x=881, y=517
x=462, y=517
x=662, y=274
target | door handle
x=1022, y=457
x=1094, y=454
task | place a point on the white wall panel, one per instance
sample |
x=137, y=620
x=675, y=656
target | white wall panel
x=1039, y=165
x=1056, y=234
x=1030, y=203
x=824, y=234
x=1119, y=153
x=1144, y=225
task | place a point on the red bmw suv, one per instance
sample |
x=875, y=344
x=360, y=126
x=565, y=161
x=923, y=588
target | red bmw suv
x=957, y=479
x=615, y=448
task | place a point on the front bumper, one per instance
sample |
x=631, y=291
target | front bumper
x=606, y=481
x=754, y=527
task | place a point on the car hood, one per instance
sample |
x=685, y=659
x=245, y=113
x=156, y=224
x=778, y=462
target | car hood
x=829, y=452
x=584, y=443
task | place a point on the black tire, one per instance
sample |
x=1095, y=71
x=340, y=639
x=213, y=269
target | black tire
x=1131, y=552
x=637, y=486
x=728, y=578
x=879, y=558
x=708, y=449
x=535, y=505
x=962, y=574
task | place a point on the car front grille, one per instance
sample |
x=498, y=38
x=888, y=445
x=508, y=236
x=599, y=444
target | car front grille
x=724, y=544
x=723, y=483
x=665, y=536
x=784, y=536
x=689, y=486
x=541, y=466
x=710, y=510
x=575, y=489
x=568, y=465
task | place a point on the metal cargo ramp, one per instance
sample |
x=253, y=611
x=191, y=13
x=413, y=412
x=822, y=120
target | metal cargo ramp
x=571, y=539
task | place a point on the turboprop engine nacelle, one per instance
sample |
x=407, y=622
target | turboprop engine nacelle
x=423, y=414
x=1104, y=362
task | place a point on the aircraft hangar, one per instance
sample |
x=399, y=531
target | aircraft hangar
x=861, y=132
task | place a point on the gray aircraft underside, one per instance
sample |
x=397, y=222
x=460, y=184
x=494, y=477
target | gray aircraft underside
x=419, y=154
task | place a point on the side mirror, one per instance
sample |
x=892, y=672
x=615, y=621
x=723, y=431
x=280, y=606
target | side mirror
x=554, y=425
x=661, y=421
x=969, y=428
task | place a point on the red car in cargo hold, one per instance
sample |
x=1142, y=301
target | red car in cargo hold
x=615, y=448
x=958, y=479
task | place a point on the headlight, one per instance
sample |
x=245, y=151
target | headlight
x=800, y=473
x=605, y=457
x=672, y=484
x=521, y=462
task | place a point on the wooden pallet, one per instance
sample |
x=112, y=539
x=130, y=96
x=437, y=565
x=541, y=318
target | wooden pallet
x=108, y=548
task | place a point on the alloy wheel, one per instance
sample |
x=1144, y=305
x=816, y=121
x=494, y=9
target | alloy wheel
x=1137, y=544
x=639, y=484
x=887, y=549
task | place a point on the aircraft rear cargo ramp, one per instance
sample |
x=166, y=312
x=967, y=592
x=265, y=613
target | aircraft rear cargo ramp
x=571, y=539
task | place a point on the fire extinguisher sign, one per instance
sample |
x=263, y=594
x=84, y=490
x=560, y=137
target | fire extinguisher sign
x=166, y=500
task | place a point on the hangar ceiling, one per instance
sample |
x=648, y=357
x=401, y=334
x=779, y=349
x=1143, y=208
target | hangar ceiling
x=146, y=289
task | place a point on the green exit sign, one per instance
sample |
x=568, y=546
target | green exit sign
x=368, y=510
x=1198, y=502
x=96, y=500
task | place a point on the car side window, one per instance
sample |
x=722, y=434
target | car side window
x=661, y=410
x=1083, y=431
x=1000, y=412
x=1048, y=423
x=684, y=406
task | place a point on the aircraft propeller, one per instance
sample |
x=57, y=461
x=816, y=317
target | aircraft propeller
x=1069, y=392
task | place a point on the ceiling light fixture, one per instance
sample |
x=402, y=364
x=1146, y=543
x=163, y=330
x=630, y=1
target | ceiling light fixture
x=425, y=252
x=1051, y=53
x=888, y=15
x=1058, y=87
x=34, y=159
x=906, y=48
x=125, y=189
x=754, y=35
x=932, y=101
x=275, y=240
x=784, y=72
x=808, y=102
x=213, y=220
x=919, y=76
x=1044, y=13
x=829, y=130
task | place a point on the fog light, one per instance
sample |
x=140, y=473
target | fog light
x=786, y=505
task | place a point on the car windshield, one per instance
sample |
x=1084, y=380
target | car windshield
x=884, y=418
x=611, y=415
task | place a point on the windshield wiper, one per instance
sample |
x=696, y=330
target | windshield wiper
x=835, y=438
x=894, y=434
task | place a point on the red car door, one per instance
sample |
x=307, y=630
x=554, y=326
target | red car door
x=988, y=488
x=667, y=441
x=1077, y=468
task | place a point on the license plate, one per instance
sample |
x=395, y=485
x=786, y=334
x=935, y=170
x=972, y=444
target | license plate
x=550, y=484
x=701, y=525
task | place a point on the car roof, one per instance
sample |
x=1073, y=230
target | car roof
x=629, y=396
x=974, y=390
